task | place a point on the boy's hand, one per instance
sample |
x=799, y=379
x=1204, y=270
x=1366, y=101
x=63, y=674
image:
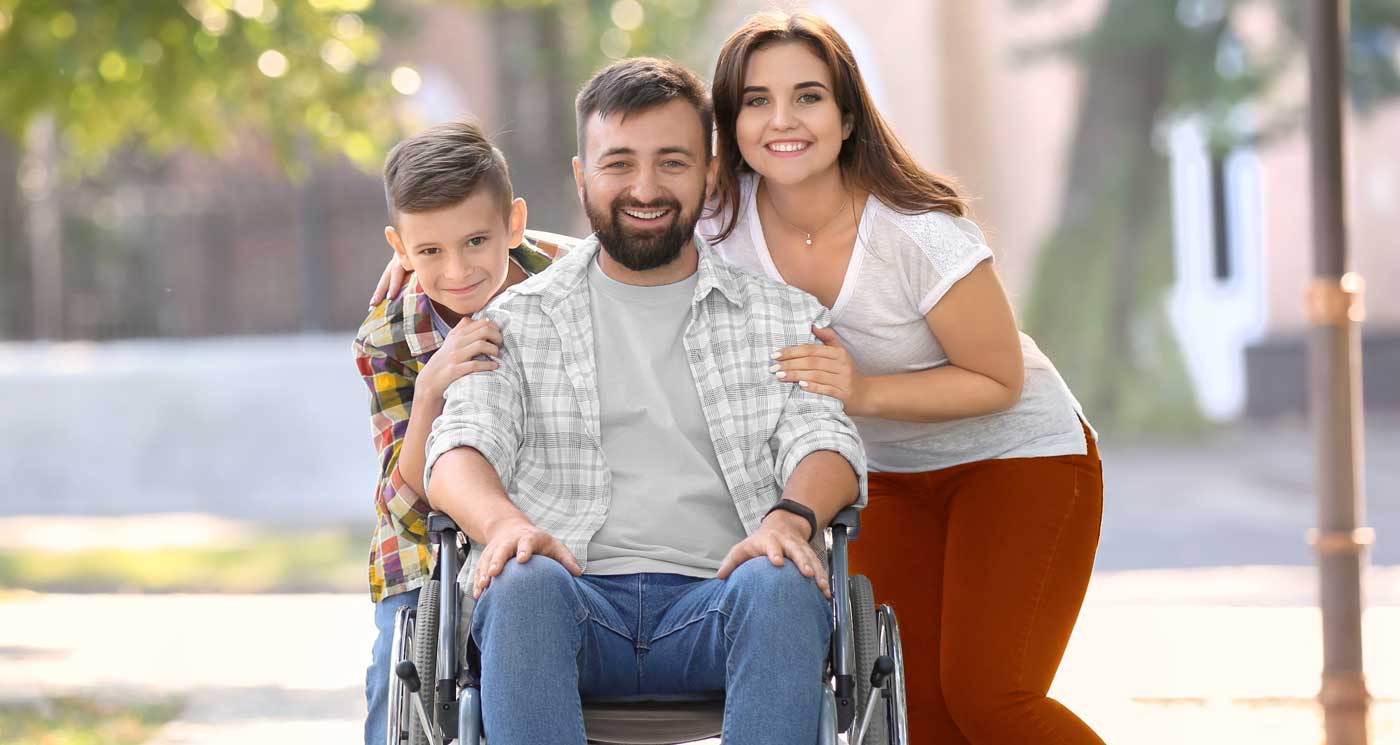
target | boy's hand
x=393, y=279
x=456, y=358
x=521, y=540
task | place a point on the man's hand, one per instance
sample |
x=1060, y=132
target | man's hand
x=782, y=534
x=457, y=357
x=522, y=540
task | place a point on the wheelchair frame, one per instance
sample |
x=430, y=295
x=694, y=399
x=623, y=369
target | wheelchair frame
x=455, y=715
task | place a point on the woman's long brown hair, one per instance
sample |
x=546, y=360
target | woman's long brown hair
x=872, y=158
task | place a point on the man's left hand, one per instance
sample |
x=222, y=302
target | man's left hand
x=781, y=536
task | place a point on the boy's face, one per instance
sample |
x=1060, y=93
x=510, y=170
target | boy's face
x=460, y=253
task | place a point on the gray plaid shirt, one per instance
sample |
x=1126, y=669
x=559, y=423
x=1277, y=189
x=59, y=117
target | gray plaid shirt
x=535, y=418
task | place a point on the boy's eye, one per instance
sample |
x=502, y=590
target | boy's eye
x=429, y=251
x=476, y=240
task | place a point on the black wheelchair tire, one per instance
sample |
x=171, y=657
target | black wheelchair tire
x=425, y=633
x=867, y=638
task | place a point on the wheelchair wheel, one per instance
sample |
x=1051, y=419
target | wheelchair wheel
x=425, y=632
x=865, y=628
x=890, y=645
x=399, y=704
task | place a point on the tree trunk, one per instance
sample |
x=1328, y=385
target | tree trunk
x=1097, y=305
x=16, y=290
x=536, y=114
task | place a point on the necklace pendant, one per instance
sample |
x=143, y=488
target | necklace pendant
x=809, y=239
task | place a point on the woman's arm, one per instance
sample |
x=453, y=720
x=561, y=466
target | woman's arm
x=975, y=326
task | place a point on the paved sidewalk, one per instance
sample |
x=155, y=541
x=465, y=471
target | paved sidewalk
x=1158, y=657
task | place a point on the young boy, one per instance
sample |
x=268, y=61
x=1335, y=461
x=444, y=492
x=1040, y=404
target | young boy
x=453, y=220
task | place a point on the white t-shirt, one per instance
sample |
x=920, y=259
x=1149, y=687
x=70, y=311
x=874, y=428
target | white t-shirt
x=902, y=265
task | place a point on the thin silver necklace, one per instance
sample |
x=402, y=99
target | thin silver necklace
x=809, y=235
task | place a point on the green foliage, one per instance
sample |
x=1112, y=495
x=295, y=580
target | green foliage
x=79, y=721
x=325, y=561
x=599, y=31
x=167, y=74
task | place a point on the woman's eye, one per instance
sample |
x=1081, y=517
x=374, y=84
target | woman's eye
x=756, y=101
x=809, y=98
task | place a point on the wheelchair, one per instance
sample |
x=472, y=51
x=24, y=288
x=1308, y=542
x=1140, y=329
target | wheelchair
x=435, y=689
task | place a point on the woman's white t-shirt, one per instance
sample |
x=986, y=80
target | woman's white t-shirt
x=902, y=265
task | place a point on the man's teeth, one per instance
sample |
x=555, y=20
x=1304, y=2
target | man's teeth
x=787, y=147
x=647, y=215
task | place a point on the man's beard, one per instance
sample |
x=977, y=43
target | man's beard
x=641, y=250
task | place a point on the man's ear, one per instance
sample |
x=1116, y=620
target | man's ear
x=711, y=174
x=396, y=242
x=578, y=176
x=516, y=223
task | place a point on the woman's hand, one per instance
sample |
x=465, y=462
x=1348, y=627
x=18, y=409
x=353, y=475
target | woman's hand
x=457, y=357
x=827, y=369
x=393, y=279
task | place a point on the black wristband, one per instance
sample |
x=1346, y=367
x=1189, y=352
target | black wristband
x=799, y=509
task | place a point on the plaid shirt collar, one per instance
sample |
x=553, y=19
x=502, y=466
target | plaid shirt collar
x=571, y=272
x=422, y=337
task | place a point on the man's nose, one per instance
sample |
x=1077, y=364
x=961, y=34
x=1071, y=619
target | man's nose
x=647, y=188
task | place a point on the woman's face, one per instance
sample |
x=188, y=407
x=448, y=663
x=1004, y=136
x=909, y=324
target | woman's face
x=790, y=128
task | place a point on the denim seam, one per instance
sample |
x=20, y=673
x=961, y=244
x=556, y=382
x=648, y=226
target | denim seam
x=697, y=619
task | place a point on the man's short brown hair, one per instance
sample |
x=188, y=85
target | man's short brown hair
x=637, y=84
x=441, y=166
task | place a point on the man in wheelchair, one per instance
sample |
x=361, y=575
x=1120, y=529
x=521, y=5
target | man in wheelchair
x=639, y=491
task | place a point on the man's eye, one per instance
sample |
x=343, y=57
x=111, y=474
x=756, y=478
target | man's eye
x=616, y=165
x=674, y=164
x=756, y=101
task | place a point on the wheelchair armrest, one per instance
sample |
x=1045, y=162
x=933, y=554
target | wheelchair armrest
x=849, y=519
x=439, y=522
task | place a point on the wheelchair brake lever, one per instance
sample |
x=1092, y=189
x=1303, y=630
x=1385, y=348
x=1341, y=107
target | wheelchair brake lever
x=408, y=673
x=879, y=676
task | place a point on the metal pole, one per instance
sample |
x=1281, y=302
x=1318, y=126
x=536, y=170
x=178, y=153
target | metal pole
x=1335, y=313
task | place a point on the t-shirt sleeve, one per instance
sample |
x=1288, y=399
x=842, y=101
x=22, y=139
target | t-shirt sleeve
x=943, y=249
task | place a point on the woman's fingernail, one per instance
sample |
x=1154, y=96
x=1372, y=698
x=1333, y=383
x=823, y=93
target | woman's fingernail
x=777, y=355
x=801, y=383
x=782, y=375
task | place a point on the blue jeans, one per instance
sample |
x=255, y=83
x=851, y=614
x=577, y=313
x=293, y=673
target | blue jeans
x=377, y=676
x=549, y=639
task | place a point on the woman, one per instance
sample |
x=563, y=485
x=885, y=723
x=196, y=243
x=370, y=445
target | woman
x=986, y=489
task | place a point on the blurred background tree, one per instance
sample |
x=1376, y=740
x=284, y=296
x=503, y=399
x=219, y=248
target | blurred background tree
x=87, y=79
x=1098, y=302
x=91, y=84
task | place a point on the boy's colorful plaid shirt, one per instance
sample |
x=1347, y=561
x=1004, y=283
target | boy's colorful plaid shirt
x=391, y=347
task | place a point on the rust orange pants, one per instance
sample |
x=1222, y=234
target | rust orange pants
x=985, y=565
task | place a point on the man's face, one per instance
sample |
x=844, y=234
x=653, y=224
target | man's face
x=642, y=180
